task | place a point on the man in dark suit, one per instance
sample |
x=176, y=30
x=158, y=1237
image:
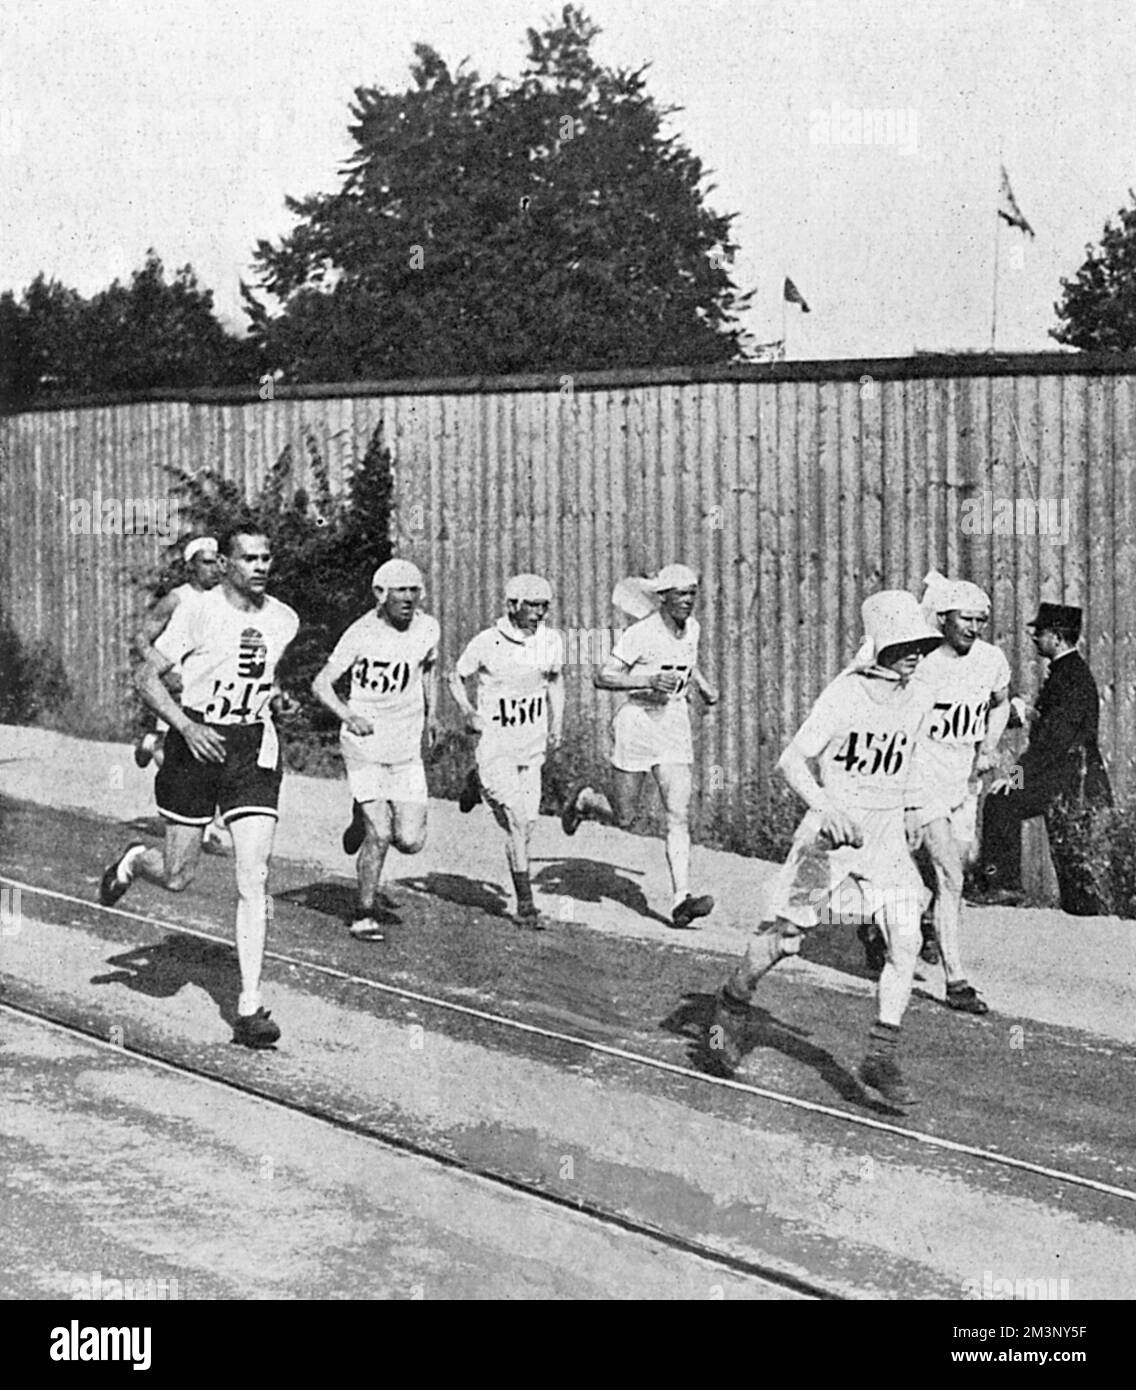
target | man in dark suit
x=1062, y=774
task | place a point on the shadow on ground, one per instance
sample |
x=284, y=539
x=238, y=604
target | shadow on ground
x=692, y=1019
x=585, y=880
x=165, y=968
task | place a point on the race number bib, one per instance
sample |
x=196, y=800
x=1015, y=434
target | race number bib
x=958, y=722
x=380, y=677
x=237, y=702
x=518, y=711
x=873, y=755
x=683, y=674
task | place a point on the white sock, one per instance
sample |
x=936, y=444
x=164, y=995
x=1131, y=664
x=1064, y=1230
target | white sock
x=252, y=926
x=678, y=858
x=126, y=863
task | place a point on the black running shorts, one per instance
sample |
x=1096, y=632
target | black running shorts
x=188, y=791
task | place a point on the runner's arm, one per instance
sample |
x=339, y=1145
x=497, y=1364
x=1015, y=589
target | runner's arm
x=430, y=695
x=837, y=824
x=617, y=675
x=996, y=722
x=206, y=745
x=322, y=689
x=556, y=700
x=460, y=692
x=710, y=693
x=153, y=625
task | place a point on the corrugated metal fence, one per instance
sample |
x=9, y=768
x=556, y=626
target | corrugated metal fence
x=796, y=489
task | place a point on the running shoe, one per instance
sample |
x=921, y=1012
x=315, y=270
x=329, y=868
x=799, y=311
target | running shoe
x=145, y=749
x=366, y=929
x=356, y=832
x=470, y=792
x=929, y=952
x=256, y=1030
x=529, y=915
x=882, y=1075
x=571, y=815
x=111, y=887
x=690, y=908
x=966, y=999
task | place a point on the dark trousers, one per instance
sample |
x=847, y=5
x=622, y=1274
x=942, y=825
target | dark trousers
x=1082, y=890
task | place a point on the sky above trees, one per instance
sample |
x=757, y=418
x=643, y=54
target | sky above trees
x=183, y=126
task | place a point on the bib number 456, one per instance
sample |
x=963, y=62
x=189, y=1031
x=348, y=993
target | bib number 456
x=882, y=753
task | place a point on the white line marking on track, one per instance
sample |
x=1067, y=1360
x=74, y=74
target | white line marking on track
x=607, y=1050
x=581, y=1211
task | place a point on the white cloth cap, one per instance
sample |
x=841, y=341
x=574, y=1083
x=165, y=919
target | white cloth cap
x=201, y=546
x=891, y=618
x=528, y=586
x=635, y=597
x=674, y=577
x=943, y=595
x=397, y=574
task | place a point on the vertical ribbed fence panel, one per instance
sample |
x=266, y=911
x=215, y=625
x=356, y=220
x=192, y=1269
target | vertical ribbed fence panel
x=795, y=490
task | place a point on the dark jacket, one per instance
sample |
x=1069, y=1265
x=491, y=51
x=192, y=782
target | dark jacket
x=1064, y=758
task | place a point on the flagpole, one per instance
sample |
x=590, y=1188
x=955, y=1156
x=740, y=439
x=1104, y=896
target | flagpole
x=997, y=243
x=784, y=324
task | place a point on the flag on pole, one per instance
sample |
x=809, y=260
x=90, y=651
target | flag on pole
x=794, y=296
x=1009, y=210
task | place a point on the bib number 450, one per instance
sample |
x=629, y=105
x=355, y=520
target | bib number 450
x=519, y=710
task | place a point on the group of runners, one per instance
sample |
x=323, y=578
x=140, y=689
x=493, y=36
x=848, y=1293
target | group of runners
x=887, y=761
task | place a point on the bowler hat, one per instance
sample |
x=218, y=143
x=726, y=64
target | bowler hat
x=1056, y=617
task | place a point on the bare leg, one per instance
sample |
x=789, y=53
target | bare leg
x=175, y=866
x=772, y=942
x=675, y=780
x=902, y=935
x=408, y=826
x=252, y=847
x=372, y=857
x=948, y=865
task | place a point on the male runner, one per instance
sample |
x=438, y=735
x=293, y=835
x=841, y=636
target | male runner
x=861, y=734
x=392, y=653
x=969, y=681
x=520, y=715
x=203, y=564
x=655, y=661
x=221, y=750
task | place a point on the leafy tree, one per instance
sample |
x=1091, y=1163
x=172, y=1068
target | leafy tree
x=1098, y=308
x=148, y=333
x=155, y=332
x=483, y=227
